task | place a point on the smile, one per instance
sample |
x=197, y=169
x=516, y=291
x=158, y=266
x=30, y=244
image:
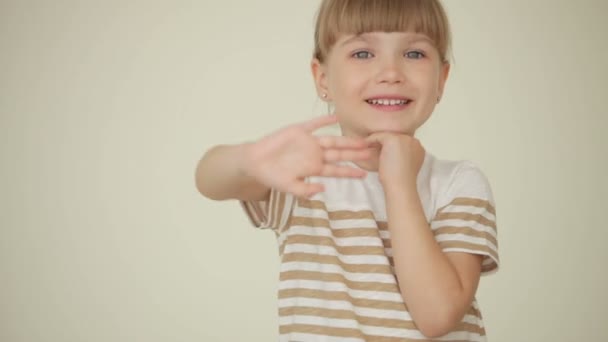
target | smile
x=388, y=102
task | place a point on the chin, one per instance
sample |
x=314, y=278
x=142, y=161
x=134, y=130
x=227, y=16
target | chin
x=391, y=129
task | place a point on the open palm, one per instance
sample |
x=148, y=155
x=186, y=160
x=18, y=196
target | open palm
x=283, y=159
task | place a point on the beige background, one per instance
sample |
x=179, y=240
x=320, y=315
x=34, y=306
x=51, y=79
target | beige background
x=107, y=106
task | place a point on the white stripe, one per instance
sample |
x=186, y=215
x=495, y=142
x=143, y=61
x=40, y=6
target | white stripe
x=343, y=305
x=468, y=209
x=487, y=262
x=335, y=269
x=331, y=251
x=343, y=242
x=464, y=224
x=462, y=336
x=359, y=311
x=350, y=324
x=287, y=208
x=490, y=260
x=374, y=330
x=322, y=231
x=475, y=305
x=466, y=238
x=340, y=287
x=301, y=337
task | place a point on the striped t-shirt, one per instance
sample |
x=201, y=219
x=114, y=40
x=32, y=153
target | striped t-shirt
x=337, y=281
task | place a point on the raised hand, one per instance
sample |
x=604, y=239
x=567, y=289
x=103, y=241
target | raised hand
x=283, y=159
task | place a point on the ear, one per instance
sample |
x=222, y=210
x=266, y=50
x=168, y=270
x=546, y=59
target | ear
x=443, y=77
x=320, y=77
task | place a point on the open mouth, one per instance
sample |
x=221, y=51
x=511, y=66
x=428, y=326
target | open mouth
x=388, y=102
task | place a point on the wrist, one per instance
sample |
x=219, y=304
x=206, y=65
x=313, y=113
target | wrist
x=405, y=190
x=246, y=159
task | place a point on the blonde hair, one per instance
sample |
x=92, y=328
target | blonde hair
x=356, y=17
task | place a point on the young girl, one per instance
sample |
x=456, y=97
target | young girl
x=378, y=239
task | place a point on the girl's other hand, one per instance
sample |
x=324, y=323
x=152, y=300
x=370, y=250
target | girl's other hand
x=283, y=159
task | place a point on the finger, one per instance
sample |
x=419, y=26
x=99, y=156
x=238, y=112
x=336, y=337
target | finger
x=377, y=139
x=332, y=156
x=331, y=170
x=321, y=121
x=305, y=190
x=329, y=141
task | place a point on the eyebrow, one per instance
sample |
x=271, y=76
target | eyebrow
x=353, y=39
x=415, y=38
x=420, y=38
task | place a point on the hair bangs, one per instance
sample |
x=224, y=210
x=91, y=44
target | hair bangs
x=339, y=17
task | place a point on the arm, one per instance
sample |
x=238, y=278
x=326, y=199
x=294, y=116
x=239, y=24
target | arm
x=223, y=173
x=437, y=287
x=281, y=161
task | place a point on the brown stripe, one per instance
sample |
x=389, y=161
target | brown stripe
x=281, y=205
x=320, y=330
x=474, y=312
x=272, y=208
x=318, y=222
x=465, y=216
x=473, y=202
x=469, y=246
x=351, y=215
x=355, y=232
x=337, y=214
x=468, y=231
x=328, y=241
x=334, y=260
x=311, y=204
x=332, y=277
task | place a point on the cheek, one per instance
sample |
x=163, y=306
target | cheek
x=348, y=82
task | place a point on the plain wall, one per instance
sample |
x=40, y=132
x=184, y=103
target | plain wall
x=106, y=107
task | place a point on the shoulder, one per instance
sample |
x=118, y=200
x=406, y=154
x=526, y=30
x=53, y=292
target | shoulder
x=459, y=178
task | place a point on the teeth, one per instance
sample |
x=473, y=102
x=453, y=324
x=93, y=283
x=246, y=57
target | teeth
x=387, y=102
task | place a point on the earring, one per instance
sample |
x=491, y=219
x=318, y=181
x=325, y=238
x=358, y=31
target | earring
x=324, y=96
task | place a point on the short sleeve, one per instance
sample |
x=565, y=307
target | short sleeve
x=465, y=220
x=272, y=214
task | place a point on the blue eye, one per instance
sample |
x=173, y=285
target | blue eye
x=414, y=54
x=362, y=55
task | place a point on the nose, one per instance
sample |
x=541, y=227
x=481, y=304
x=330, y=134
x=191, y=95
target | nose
x=390, y=71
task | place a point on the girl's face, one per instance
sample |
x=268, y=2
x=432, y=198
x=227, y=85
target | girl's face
x=381, y=81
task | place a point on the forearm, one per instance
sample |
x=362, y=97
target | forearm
x=222, y=174
x=429, y=283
